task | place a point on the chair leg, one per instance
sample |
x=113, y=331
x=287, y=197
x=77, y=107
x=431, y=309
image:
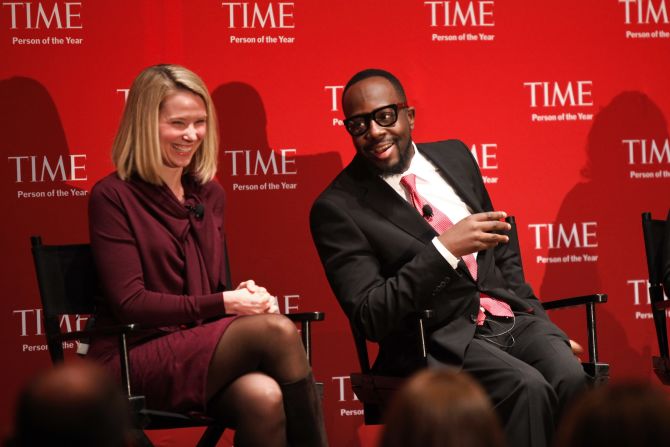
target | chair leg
x=140, y=439
x=662, y=369
x=211, y=436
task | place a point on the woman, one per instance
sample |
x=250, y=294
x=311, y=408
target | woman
x=156, y=228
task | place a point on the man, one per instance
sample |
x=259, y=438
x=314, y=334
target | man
x=375, y=232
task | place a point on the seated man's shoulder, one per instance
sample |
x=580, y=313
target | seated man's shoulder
x=346, y=180
x=341, y=194
x=334, y=192
x=445, y=145
x=450, y=151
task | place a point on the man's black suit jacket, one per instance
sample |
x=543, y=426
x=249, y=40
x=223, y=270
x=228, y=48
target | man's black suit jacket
x=377, y=254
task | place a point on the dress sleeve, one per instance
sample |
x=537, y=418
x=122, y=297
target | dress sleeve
x=117, y=258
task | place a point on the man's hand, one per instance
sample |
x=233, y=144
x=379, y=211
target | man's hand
x=475, y=233
x=576, y=348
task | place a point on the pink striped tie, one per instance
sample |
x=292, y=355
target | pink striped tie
x=440, y=222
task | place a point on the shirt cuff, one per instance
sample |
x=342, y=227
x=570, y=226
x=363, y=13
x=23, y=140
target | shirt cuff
x=446, y=254
x=211, y=305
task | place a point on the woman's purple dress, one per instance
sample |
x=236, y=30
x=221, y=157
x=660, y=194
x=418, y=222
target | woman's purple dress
x=161, y=264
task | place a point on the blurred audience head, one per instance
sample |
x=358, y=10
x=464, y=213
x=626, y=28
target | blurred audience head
x=75, y=405
x=624, y=414
x=441, y=408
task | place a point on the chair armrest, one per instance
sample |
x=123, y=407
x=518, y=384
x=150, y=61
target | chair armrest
x=305, y=319
x=596, y=298
x=306, y=316
x=106, y=330
x=589, y=301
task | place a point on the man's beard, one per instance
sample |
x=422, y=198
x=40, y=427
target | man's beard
x=404, y=159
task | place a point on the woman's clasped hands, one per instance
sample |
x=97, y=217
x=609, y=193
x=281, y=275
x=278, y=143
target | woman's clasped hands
x=250, y=299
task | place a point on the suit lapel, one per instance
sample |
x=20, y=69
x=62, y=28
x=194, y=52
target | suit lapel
x=458, y=180
x=440, y=155
x=379, y=196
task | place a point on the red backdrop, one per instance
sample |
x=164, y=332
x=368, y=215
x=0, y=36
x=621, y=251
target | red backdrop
x=564, y=103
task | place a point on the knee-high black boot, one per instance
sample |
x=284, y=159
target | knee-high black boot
x=304, y=416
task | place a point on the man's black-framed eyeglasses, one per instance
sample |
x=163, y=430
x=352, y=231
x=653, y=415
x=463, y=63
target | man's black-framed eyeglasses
x=385, y=116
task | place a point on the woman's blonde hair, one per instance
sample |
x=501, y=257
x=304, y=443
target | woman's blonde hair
x=136, y=148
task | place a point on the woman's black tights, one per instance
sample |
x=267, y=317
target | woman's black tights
x=259, y=379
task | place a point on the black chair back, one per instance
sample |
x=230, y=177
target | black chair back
x=376, y=391
x=67, y=283
x=654, y=240
x=653, y=231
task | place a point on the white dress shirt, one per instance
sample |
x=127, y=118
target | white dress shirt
x=434, y=188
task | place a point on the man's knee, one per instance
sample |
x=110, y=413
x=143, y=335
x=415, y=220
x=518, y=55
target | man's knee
x=575, y=379
x=531, y=384
x=571, y=384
